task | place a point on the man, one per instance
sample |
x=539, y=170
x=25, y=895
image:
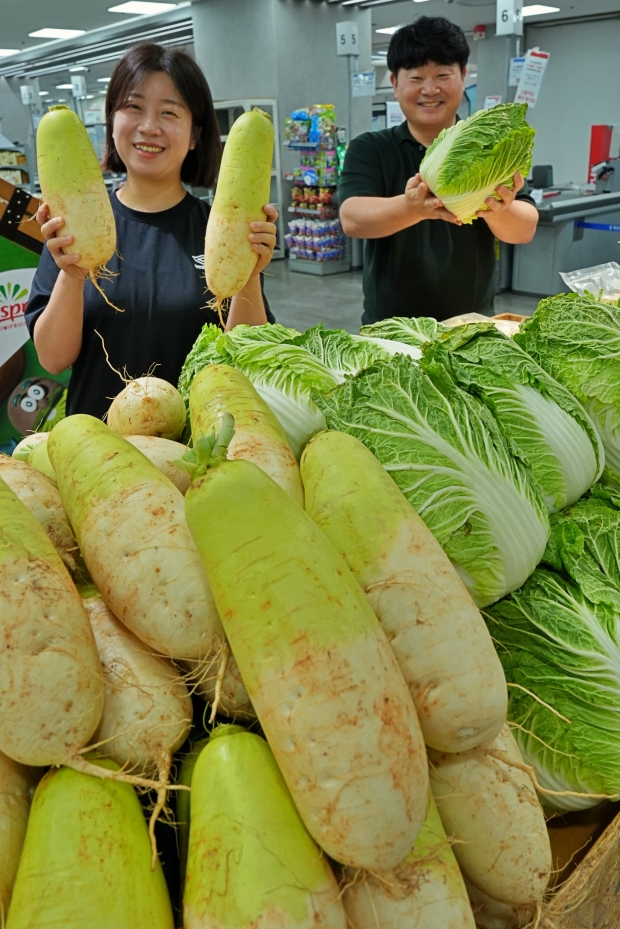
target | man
x=420, y=260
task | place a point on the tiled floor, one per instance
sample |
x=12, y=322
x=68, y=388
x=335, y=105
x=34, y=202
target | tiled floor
x=303, y=300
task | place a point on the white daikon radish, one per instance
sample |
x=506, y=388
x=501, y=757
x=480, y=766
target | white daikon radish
x=490, y=807
x=161, y=453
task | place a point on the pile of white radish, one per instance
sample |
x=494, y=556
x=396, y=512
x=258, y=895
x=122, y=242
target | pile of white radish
x=310, y=600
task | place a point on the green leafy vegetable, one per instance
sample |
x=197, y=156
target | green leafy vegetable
x=540, y=417
x=417, y=331
x=559, y=638
x=445, y=451
x=466, y=163
x=577, y=341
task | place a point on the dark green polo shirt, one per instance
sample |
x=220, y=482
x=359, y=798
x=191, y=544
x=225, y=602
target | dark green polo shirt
x=431, y=269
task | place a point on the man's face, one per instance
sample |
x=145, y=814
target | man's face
x=429, y=96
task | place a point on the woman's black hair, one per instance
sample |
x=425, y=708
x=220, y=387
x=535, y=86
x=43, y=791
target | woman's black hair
x=201, y=163
x=429, y=38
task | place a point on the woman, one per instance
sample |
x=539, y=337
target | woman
x=162, y=130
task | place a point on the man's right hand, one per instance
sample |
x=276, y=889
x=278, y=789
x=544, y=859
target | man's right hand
x=423, y=205
x=55, y=243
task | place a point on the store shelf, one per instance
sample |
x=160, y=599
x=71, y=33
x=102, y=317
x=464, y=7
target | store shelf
x=320, y=268
x=328, y=213
x=298, y=146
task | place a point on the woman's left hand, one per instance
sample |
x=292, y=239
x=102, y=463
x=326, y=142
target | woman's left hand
x=263, y=238
x=506, y=195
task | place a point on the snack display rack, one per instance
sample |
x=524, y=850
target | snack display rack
x=14, y=166
x=315, y=239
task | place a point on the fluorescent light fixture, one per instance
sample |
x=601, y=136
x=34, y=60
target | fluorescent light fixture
x=103, y=80
x=537, y=9
x=43, y=93
x=78, y=68
x=64, y=86
x=57, y=33
x=420, y=1
x=61, y=100
x=389, y=30
x=141, y=8
x=90, y=96
x=8, y=51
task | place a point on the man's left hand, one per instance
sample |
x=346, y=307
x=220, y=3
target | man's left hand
x=506, y=195
x=263, y=238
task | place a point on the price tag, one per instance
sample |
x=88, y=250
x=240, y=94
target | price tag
x=363, y=83
x=347, y=42
x=516, y=68
x=509, y=17
x=531, y=77
x=492, y=100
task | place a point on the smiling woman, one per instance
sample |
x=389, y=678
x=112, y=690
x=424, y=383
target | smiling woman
x=162, y=132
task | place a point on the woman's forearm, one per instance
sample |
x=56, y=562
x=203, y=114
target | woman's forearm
x=58, y=330
x=247, y=306
x=515, y=225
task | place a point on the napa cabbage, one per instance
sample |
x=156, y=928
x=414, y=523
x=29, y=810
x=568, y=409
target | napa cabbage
x=546, y=425
x=558, y=639
x=287, y=367
x=468, y=161
x=445, y=451
x=416, y=331
x=577, y=341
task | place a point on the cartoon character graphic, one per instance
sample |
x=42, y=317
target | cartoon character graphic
x=36, y=404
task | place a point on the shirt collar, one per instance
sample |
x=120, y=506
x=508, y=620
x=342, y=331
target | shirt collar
x=404, y=135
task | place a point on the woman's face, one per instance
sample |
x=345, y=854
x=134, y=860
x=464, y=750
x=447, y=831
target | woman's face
x=153, y=130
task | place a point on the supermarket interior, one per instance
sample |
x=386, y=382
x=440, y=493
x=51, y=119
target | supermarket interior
x=309, y=464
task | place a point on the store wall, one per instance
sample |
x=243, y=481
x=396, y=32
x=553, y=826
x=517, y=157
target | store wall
x=580, y=89
x=493, y=55
x=281, y=48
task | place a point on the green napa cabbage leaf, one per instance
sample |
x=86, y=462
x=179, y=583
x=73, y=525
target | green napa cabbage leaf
x=559, y=638
x=415, y=332
x=545, y=423
x=444, y=450
x=577, y=341
x=468, y=161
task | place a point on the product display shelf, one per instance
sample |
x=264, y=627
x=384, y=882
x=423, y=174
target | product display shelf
x=9, y=155
x=227, y=112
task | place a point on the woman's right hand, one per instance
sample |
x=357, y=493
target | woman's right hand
x=56, y=243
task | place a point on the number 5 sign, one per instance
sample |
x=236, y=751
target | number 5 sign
x=509, y=17
x=346, y=38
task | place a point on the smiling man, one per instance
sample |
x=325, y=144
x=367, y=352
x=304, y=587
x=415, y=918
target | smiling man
x=420, y=260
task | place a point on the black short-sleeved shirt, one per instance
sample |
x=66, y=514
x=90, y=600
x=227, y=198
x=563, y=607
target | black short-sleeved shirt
x=160, y=284
x=434, y=268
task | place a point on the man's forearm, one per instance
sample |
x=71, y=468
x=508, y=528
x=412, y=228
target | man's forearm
x=515, y=225
x=247, y=306
x=58, y=330
x=376, y=217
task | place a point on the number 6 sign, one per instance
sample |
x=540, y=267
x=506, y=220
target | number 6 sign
x=509, y=17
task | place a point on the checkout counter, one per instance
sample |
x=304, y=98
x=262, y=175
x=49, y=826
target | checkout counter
x=561, y=244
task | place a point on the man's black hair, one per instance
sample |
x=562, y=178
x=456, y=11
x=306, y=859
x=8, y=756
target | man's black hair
x=429, y=38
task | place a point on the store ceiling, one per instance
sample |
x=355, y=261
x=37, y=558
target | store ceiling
x=21, y=17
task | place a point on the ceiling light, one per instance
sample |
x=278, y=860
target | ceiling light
x=141, y=8
x=57, y=33
x=64, y=86
x=43, y=93
x=389, y=30
x=78, y=68
x=103, y=80
x=61, y=100
x=419, y=1
x=537, y=9
x=90, y=96
x=8, y=51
